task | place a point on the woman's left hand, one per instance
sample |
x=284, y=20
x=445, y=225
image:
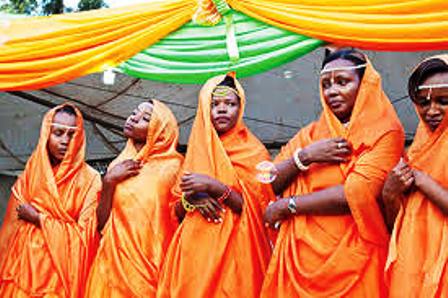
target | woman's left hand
x=193, y=183
x=276, y=212
x=29, y=214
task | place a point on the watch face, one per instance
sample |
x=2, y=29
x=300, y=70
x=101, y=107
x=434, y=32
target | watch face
x=292, y=206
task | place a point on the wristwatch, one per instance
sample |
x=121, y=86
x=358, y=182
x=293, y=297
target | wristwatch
x=292, y=207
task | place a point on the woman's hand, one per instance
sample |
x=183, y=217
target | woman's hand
x=29, y=214
x=210, y=209
x=276, y=212
x=398, y=181
x=122, y=171
x=326, y=150
x=192, y=183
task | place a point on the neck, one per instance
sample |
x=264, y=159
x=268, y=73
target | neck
x=138, y=145
x=54, y=162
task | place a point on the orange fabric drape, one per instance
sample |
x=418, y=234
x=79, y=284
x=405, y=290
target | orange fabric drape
x=418, y=255
x=228, y=259
x=44, y=51
x=344, y=255
x=139, y=229
x=52, y=260
x=390, y=25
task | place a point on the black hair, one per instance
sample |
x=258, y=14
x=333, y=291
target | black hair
x=66, y=109
x=424, y=71
x=350, y=55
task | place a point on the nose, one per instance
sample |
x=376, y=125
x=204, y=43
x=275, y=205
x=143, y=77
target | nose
x=433, y=110
x=221, y=108
x=65, y=140
x=332, y=91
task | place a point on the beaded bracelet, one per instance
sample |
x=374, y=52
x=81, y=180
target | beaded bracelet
x=187, y=205
x=225, y=195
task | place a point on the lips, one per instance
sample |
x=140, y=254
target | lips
x=433, y=122
x=128, y=127
x=222, y=119
x=335, y=104
x=62, y=151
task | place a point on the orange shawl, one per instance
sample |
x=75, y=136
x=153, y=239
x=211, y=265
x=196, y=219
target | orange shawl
x=54, y=259
x=139, y=229
x=343, y=255
x=418, y=254
x=227, y=259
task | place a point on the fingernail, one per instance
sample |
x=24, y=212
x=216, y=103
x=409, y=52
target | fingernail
x=216, y=221
x=209, y=220
x=220, y=220
x=266, y=225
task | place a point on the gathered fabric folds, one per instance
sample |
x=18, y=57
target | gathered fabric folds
x=418, y=254
x=139, y=229
x=227, y=259
x=340, y=255
x=52, y=260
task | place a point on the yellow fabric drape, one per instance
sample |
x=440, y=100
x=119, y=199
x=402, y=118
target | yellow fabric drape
x=44, y=51
x=393, y=25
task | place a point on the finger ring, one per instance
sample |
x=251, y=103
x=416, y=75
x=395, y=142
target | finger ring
x=277, y=225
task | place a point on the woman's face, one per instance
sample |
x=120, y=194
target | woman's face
x=340, y=88
x=432, y=103
x=224, y=111
x=62, y=130
x=136, y=126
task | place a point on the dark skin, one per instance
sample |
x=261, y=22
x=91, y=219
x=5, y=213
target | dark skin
x=135, y=128
x=61, y=134
x=224, y=115
x=403, y=178
x=340, y=89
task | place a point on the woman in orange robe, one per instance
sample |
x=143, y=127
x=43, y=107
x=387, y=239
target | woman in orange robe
x=48, y=237
x=418, y=254
x=221, y=248
x=332, y=240
x=134, y=206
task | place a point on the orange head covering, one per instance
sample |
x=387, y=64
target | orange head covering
x=66, y=200
x=418, y=250
x=340, y=255
x=238, y=249
x=161, y=140
x=140, y=226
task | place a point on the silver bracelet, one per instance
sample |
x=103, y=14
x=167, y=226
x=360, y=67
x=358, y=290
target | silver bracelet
x=298, y=162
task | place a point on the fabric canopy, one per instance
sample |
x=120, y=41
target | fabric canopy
x=195, y=53
x=44, y=51
x=392, y=25
x=38, y=52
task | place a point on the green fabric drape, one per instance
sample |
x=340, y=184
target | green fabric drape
x=195, y=53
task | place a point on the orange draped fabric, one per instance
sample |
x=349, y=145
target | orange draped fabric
x=343, y=255
x=52, y=260
x=228, y=259
x=392, y=25
x=140, y=226
x=45, y=51
x=418, y=254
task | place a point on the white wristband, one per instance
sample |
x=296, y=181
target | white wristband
x=298, y=162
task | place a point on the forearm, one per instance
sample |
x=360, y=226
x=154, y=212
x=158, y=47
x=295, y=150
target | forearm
x=105, y=204
x=234, y=201
x=180, y=211
x=287, y=171
x=330, y=201
x=390, y=206
x=436, y=193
